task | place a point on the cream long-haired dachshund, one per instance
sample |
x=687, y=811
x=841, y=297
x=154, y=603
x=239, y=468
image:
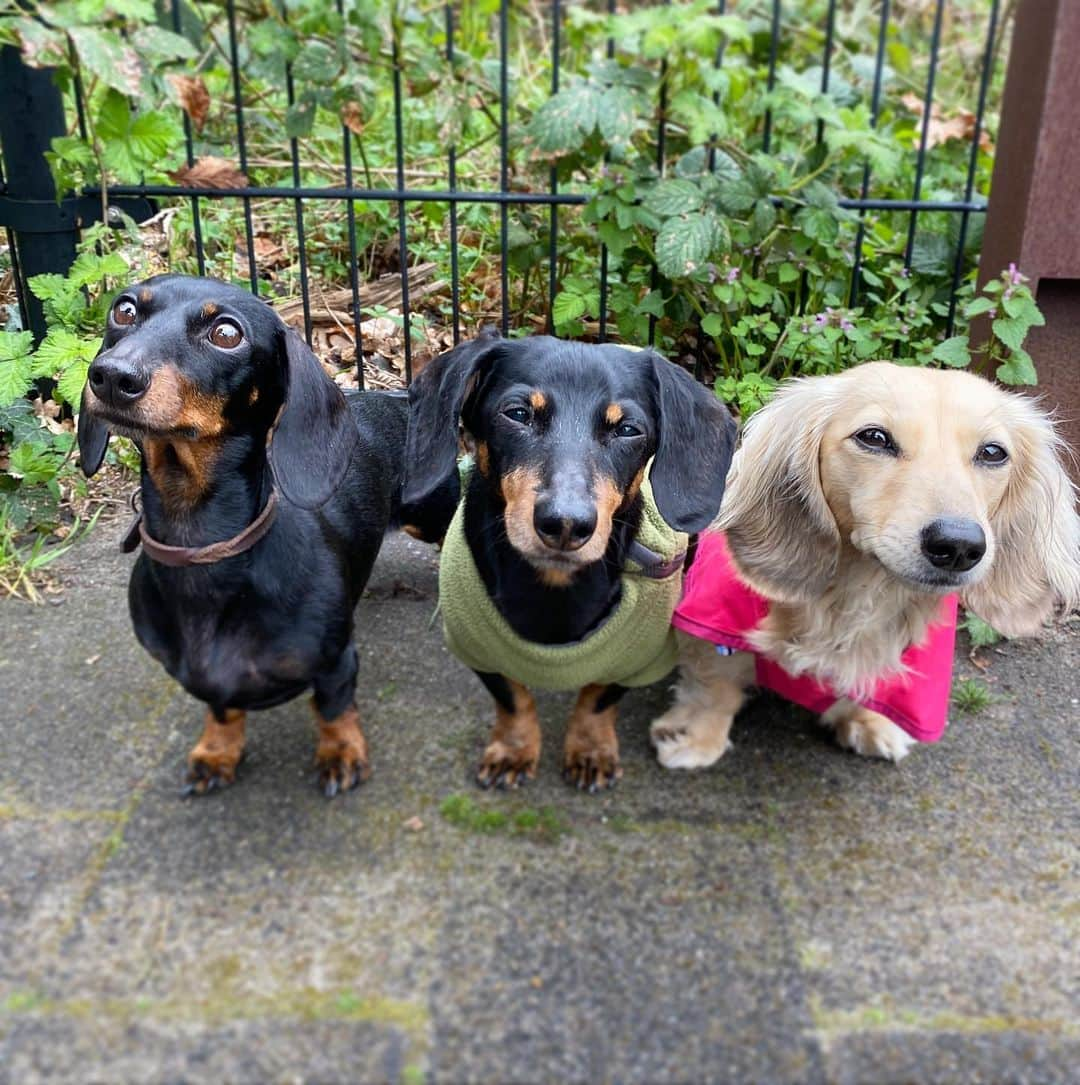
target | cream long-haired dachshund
x=859, y=506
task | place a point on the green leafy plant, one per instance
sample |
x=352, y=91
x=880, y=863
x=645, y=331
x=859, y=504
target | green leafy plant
x=971, y=696
x=981, y=634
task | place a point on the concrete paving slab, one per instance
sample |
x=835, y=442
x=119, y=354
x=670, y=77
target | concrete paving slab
x=794, y=914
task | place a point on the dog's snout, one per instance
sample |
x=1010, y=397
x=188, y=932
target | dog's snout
x=954, y=544
x=565, y=525
x=118, y=381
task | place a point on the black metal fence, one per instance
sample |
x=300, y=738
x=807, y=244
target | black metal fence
x=554, y=197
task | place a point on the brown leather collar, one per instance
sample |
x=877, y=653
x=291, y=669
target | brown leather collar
x=198, y=555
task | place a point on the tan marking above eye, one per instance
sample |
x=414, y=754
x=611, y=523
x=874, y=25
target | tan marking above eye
x=209, y=308
x=145, y=296
x=613, y=415
x=226, y=335
x=537, y=399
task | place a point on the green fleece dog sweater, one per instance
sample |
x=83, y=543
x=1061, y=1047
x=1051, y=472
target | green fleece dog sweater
x=634, y=646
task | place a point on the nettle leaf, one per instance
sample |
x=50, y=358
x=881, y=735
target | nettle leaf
x=70, y=385
x=818, y=224
x=1011, y=332
x=317, y=62
x=617, y=240
x=106, y=55
x=764, y=218
x=674, y=197
x=1019, y=369
x=300, y=119
x=953, y=352
x=15, y=379
x=615, y=115
x=154, y=43
x=735, y=194
x=1022, y=307
x=685, y=243
x=568, y=307
x=979, y=305
x=14, y=345
x=61, y=349
x=566, y=119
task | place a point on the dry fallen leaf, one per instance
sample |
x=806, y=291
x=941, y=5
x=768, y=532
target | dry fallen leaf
x=414, y=824
x=961, y=125
x=210, y=172
x=193, y=96
x=353, y=118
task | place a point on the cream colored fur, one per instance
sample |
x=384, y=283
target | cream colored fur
x=830, y=534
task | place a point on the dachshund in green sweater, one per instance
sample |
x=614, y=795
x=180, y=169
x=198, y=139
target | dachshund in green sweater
x=564, y=560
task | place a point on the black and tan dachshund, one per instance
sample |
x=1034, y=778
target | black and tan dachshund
x=265, y=497
x=552, y=512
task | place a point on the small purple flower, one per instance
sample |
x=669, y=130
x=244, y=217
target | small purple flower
x=847, y=325
x=903, y=329
x=1008, y=293
x=821, y=320
x=732, y=274
x=992, y=314
x=805, y=329
x=905, y=273
x=1014, y=275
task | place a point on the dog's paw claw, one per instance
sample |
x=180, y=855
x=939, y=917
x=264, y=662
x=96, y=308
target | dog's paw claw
x=505, y=770
x=338, y=776
x=592, y=772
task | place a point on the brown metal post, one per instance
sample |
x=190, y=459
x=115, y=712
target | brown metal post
x=1034, y=215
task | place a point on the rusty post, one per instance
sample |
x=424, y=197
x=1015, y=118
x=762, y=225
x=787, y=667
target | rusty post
x=1033, y=218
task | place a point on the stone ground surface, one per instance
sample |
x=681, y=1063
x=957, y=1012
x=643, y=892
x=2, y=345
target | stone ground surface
x=794, y=914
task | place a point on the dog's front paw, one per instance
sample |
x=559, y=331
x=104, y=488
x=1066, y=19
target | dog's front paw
x=684, y=739
x=212, y=763
x=868, y=733
x=591, y=769
x=341, y=756
x=505, y=766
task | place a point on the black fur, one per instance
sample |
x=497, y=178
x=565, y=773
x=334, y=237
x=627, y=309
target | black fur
x=569, y=446
x=258, y=628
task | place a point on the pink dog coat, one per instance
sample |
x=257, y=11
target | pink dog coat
x=717, y=606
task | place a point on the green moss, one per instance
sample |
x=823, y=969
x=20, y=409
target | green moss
x=463, y=813
x=889, y=1019
x=23, y=1002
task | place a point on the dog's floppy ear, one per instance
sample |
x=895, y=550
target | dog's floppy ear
x=93, y=440
x=314, y=436
x=779, y=526
x=693, y=450
x=436, y=399
x=1036, y=566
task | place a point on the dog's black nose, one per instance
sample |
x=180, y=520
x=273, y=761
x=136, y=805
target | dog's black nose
x=565, y=527
x=957, y=545
x=118, y=381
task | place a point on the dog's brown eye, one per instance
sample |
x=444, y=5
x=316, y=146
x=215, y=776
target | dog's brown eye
x=226, y=335
x=876, y=439
x=521, y=415
x=992, y=455
x=627, y=429
x=124, y=312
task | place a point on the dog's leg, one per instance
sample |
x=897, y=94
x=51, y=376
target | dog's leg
x=867, y=733
x=341, y=755
x=212, y=763
x=513, y=753
x=591, y=750
x=693, y=733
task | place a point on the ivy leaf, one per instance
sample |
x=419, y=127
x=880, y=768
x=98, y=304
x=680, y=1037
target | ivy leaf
x=953, y=352
x=1019, y=369
x=674, y=197
x=685, y=243
x=567, y=307
x=712, y=324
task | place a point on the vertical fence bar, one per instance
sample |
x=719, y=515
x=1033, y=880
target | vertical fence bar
x=504, y=164
x=774, y=44
x=16, y=275
x=455, y=278
x=875, y=106
x=350, y=214
x=241, y=142
x=196, y=217
x=553, y=236
x=602, y=334
x=403, y=242
x=826, y=61
x=928, y=101
x=718, y=62
x=298, y=203
x=973, y=160
x=661, y=154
